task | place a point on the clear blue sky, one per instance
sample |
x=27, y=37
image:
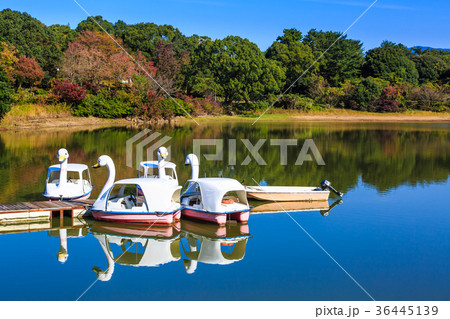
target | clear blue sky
x=411, y=22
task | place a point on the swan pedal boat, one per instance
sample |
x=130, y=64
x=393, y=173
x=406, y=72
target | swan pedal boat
x=287, y=193
x=209, y=199
x=158, y=204
x=67, y=181
x=154, y=201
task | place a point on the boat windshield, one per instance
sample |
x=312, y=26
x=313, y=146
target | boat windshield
x=72, y=177
x=190, y=188
x=126, y=196
x=86, y=176
x=53, y=177
x=152, y=172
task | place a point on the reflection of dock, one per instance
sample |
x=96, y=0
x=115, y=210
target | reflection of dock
x=41, y=211
x=42, y=225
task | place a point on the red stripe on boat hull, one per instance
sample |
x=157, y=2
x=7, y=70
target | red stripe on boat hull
x=220, y=219
x=156, y=219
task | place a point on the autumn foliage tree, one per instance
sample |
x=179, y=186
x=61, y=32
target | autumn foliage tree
x=69, y=92
x=8, y=58
x=167, y=65
x=27, y=72
x=95, y=59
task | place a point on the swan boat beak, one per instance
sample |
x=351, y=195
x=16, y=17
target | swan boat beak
x=97, y=165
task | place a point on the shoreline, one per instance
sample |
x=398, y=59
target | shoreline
x=68, y=122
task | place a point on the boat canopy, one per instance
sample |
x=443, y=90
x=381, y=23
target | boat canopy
x=159, y=194
x=70, y=167
x=149, y=166
x=154, y=164
x=214, y=189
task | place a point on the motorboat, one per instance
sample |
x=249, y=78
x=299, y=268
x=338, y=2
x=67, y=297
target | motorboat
x=291, y=193
x=136, y=200
x=67, y=181
x=215, y=200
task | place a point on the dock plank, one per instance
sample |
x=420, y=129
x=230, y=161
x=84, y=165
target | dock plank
x=42, y=206
x=13, y=207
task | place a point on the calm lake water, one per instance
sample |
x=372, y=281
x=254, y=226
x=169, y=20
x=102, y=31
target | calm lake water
x=390, y=233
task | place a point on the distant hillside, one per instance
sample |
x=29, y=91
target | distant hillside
x=429, y=48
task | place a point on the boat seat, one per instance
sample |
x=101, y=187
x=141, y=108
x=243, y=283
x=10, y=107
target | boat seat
x=128, y=203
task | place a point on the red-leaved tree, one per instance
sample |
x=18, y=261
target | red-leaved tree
x=69, y=92
x=94, y=59
x=27, y=72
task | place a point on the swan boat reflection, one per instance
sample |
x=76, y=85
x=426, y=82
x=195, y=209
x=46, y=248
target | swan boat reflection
x=212, y=244
x=138, y=246
x=193, y=242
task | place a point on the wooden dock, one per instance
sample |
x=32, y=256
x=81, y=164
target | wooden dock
x=44, y=210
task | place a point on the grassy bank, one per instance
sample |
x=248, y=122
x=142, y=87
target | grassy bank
x=29, y=116
x=332, y=115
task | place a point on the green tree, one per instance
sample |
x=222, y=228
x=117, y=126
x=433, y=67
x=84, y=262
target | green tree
x=290, y=36
x=31, y=38
x=95, y=24
x=239, y=68
x=430, y=64
x=391, y=62
x=295, y=58
x=144, y=37
x=344, y=57
x=5, y=94
x=366, y=92
x=445, y=76
x=64, y=35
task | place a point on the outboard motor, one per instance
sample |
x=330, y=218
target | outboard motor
x=327, y=185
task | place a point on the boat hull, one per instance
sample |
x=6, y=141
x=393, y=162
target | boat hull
x=130, y=218
x=86, y=196
x=287, y=194
x=216, y=218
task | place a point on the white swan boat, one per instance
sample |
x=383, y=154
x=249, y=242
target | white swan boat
x=67, y=181
x=213, y=199
x=160, y=168
x=137, y=200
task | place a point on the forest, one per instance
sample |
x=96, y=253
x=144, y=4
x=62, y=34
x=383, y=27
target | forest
x=149, y=71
